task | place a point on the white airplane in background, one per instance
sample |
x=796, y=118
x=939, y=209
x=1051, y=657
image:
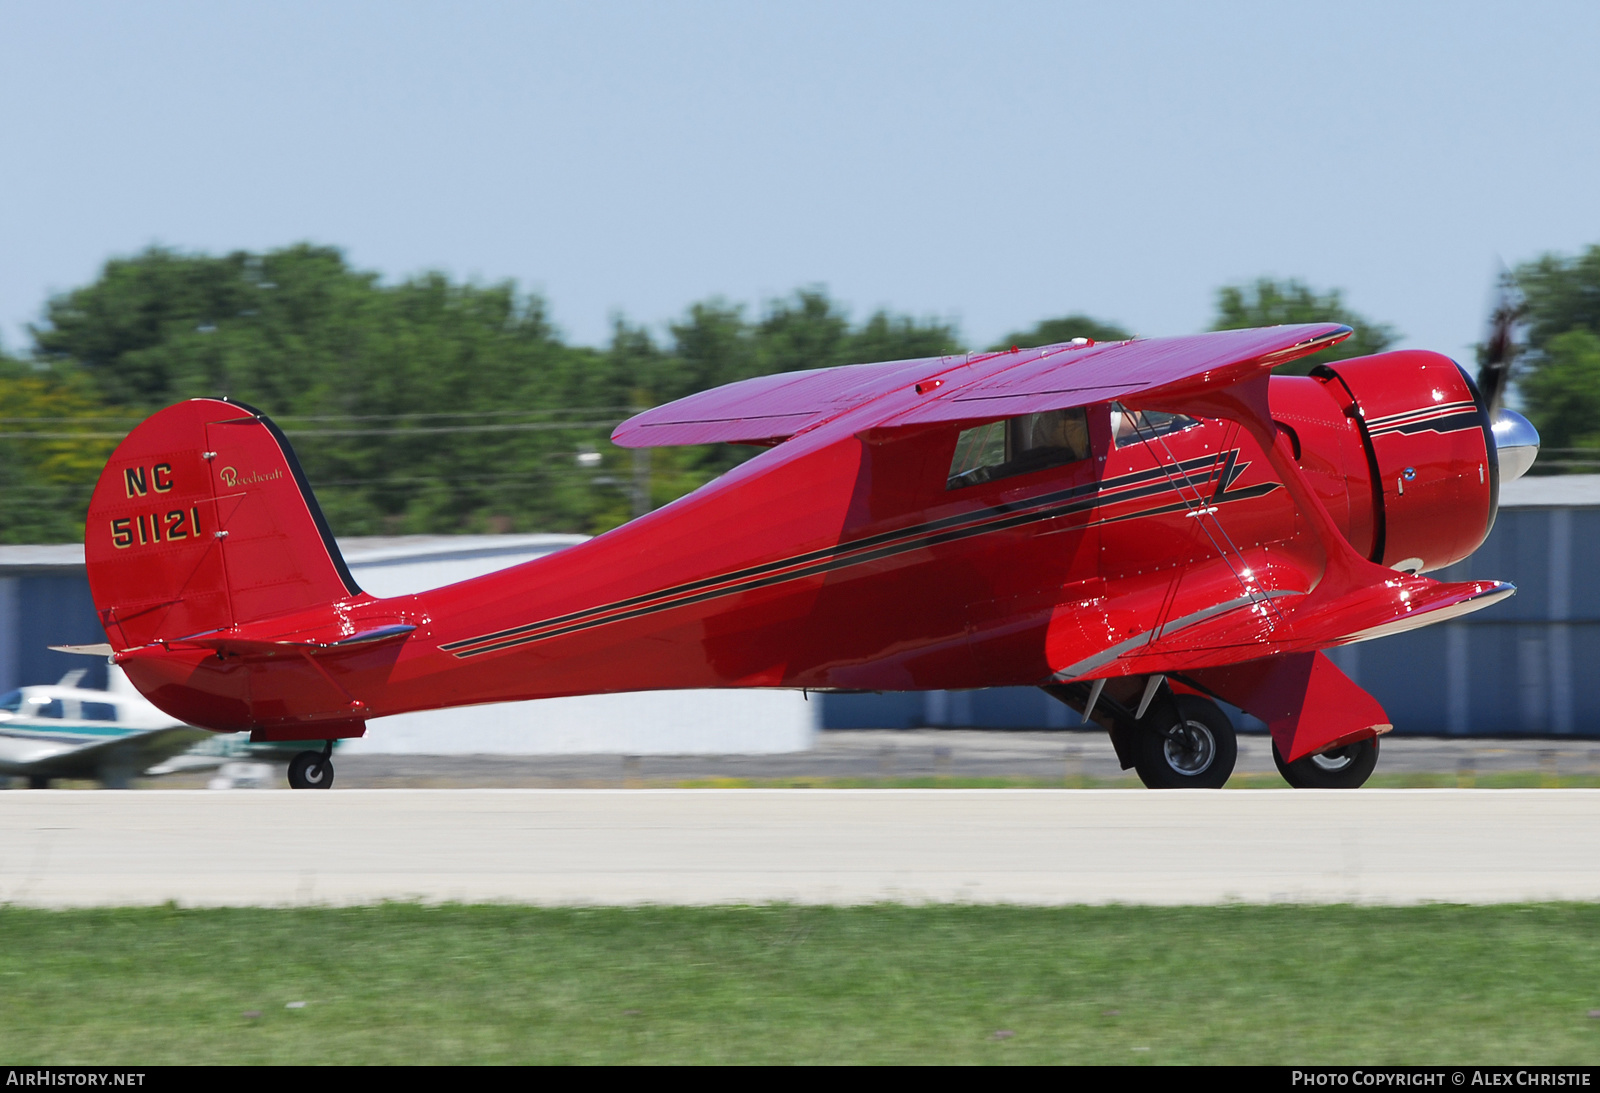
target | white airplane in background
x=111, y=736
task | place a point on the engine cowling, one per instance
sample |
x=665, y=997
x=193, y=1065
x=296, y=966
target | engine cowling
x=1411, y=435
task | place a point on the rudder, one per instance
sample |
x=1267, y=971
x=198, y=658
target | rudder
x=203, y=520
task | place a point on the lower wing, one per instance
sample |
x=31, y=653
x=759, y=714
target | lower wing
x=1264, y=622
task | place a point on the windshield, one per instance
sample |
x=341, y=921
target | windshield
x=11, y=702
x=1141, y=426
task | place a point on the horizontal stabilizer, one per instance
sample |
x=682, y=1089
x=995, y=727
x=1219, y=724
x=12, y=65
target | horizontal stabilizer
x=101, y=649
x=230, y=644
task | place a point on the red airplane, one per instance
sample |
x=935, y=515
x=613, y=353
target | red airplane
x=1141, y=528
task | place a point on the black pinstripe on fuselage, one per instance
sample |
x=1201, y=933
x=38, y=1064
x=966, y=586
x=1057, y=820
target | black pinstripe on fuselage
x=1153, y=483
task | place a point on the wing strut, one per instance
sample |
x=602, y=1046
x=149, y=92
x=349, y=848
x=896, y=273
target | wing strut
x=1204, y=515
x=1246, y=403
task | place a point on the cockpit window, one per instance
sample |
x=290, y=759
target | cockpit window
x=1019, y=445
x=11, y=702
x=1132, y=426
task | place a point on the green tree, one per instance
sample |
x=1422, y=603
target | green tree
x=1274, y=303
x=422, y=406
x=809, y=331
x=1562, y=392
x=55, y=438
x=1560, y=293
x=1064, y=329
x=886, y=337
x=711, y=346
x=1557, y=371
x=161, y=326
x=715, y=344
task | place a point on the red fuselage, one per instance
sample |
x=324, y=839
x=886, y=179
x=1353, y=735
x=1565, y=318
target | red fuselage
x=846, y=558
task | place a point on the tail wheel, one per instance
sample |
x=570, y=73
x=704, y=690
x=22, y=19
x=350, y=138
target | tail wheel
x=1348, y=767
x=310, y=770
x=1186, y=743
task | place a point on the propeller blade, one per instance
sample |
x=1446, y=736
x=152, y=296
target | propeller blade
x=1500, y=349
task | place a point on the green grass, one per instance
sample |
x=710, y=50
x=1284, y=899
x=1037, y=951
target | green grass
x=1510, y=779
x=409, y=984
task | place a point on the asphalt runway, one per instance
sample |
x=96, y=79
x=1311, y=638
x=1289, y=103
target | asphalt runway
x=877, y=754
x=593, y=847
x=918, y=753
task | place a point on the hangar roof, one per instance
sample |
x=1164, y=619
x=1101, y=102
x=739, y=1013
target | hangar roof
x=1552, y=491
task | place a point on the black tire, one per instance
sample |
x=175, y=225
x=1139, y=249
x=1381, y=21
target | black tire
x=38, y=781
x=1196, y=752
x=309, y=770
x=1348, y=767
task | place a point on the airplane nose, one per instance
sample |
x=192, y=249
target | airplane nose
x=1517, y=442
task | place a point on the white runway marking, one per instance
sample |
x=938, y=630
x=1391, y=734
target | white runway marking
x=282, y=848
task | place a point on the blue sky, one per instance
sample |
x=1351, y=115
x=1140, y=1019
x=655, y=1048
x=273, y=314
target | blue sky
x=992, y=164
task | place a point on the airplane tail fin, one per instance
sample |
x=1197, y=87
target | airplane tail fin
x=201, y=521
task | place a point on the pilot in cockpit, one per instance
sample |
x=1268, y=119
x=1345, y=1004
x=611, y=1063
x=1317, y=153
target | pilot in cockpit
x=1054, y=437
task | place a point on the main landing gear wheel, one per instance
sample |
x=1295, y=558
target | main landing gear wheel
x=312, y=769
x=1348, y=767
x=1186, y=742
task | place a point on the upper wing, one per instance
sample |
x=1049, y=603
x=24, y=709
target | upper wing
x=973, y=386
x=771, y=408
x=1057, y=377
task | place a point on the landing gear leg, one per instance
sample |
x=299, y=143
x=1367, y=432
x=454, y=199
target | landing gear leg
x=1348, y=767
x=1185, y=742
x=312, y=769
